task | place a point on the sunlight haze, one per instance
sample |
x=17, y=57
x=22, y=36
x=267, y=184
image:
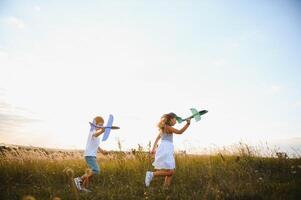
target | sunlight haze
x=64, y=62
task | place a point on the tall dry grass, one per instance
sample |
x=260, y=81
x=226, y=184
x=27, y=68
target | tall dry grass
x=228, y=174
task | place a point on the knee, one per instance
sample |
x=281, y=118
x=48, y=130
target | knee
x=171, y=172
x=95, y=171
x=91, y=172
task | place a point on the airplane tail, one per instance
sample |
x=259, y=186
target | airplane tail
x=195, y=114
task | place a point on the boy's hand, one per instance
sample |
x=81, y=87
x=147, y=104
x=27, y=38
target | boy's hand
x=99, y=132
x=188, y=121
x=104, y=152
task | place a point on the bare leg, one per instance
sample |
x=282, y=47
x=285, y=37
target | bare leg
x=167, y=181
x=86, y=182
x=168, y=176
x=163, y=173
x=86, y=179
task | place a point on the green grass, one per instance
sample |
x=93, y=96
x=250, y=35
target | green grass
x=197, y=177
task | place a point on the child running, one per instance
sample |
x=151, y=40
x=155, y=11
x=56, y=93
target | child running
x=164, y=156
x=90, y=155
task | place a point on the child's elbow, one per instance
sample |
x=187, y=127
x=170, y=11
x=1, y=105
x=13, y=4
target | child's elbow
x=96, y=135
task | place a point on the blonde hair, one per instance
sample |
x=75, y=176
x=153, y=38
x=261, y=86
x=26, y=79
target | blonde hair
x=99, y=120
x=165, y=120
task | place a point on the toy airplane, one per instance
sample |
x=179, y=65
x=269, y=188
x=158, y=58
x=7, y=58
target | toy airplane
x=111, y=127
x=108, y=127
x=195, y=114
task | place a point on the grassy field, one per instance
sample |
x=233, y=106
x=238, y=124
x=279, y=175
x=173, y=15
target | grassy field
x=47, y=175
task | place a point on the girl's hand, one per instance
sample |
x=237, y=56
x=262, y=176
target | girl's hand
x=153, y=151
x=188, y=121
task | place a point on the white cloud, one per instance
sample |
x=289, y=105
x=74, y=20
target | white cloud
x=37, y=8
x=3, y=54
x=15, y=22
x=298, y=104
x=254, y=35
x=275, y=89
x=219, y=62
x=246, y=37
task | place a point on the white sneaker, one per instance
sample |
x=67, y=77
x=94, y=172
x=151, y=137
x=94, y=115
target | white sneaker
x=148, y=178
x=77, y=181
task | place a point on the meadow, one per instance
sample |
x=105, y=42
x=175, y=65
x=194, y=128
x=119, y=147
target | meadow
x=241, y=174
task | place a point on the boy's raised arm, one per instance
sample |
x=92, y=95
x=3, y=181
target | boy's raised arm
x=99, y=132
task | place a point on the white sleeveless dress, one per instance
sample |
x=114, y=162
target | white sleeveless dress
x=164, y=157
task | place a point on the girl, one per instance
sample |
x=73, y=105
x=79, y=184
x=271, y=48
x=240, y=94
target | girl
x=164, y=159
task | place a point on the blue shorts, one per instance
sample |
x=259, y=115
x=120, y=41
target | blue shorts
x=92, y=163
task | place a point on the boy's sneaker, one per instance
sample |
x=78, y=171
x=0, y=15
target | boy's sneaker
x=148, y=178
x=77, y=182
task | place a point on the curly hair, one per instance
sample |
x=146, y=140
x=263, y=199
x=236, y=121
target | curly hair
x=99, y=120
x=165, y=120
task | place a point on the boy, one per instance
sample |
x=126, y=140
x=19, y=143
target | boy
x=90, y=155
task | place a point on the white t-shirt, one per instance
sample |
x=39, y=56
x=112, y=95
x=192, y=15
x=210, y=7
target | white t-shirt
x=92, y=144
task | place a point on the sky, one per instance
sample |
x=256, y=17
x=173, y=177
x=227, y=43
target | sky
x=64, y=62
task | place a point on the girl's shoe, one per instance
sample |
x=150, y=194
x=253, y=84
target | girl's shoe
x=148, y=178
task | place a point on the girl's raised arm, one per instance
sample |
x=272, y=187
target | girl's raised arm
x=171, y=129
